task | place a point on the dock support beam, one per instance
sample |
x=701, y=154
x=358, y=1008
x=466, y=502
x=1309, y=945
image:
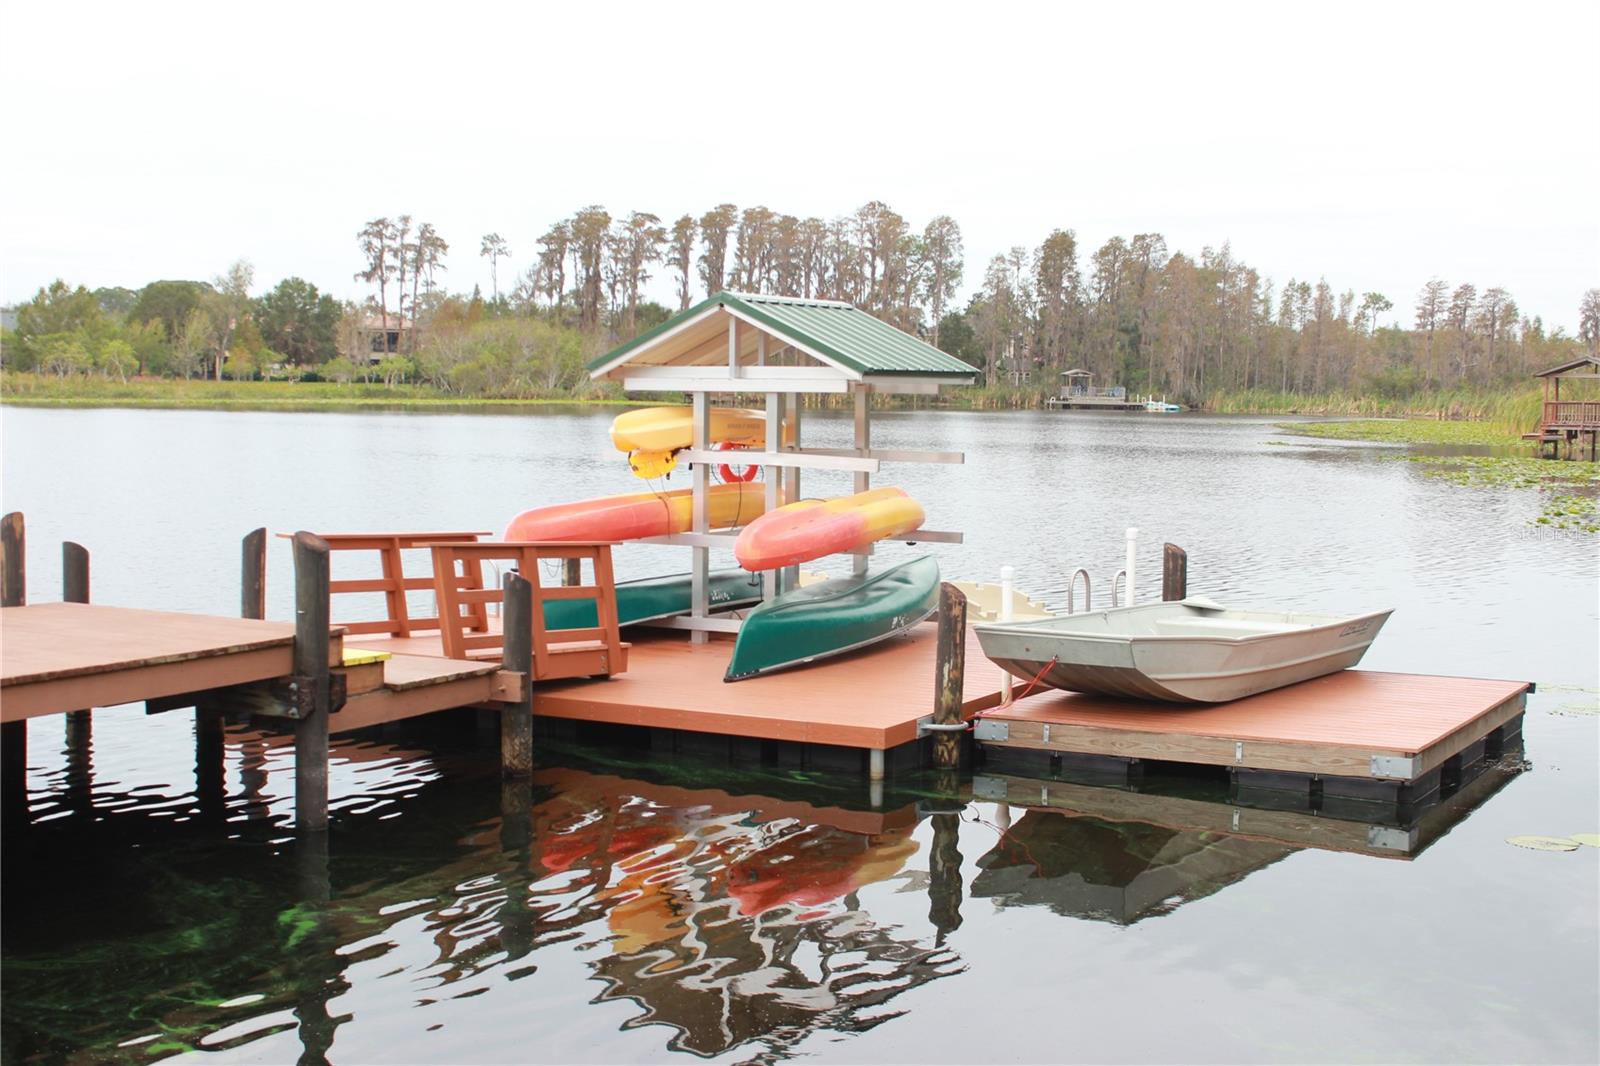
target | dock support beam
x=80, y=724
x=516, y=719
x=1174, y=573
x=949, y=675
x=14, y=735
x=311, y=573
x=75, y=589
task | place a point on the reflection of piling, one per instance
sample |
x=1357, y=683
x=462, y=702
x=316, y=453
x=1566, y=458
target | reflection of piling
x=949, y=675
x=516, y=717
x=311, y=678
x=516, y=840
x=316, y=951
x=13, y=735
x=1174, y=572
x=944, y=874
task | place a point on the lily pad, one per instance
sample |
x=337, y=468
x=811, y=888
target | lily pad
x=1538, y=843
x=1591, y=839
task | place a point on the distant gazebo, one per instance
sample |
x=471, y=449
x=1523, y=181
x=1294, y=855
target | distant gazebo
x=1568, y=421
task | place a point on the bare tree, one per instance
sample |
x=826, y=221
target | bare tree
x=377, y=244
x=496, y=248
x=680, y=256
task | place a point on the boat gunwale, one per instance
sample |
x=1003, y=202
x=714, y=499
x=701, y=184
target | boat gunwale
x=1039, y=625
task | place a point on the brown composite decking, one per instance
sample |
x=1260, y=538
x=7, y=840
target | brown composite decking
x=57, y=657
x=1332, y=725
x=871, y=698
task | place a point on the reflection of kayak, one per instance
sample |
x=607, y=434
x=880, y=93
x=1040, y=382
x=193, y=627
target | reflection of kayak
x=635, y=515
x=810, y=529
x=652, y=435
x=834, y=616
x=656, y=597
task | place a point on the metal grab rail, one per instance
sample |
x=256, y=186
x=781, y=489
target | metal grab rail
x=1072, y=588
x=1116, y=586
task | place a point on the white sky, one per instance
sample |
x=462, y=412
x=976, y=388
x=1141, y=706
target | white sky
x=1376, y=144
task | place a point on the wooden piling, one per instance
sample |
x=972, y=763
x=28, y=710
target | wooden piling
x=949, y=674
x=572, y=572
x=14, y=735
x=1174, y=572
x=944, y=875
x=516, y=718
x=75, y=589
x=253, y=577
x=311, y=575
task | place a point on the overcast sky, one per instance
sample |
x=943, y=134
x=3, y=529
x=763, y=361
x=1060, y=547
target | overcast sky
x=1377, y=145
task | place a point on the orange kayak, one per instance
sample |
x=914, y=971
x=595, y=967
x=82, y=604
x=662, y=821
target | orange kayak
x=638, y=514
x=811, y=529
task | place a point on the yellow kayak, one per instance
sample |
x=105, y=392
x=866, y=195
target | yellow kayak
x=652, y=436
x=810, y=529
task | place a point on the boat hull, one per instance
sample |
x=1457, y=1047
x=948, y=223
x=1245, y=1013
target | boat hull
x=638, y=514
x=653, y=598
x=810, y=529
x=832, y=617
x=1180, y=652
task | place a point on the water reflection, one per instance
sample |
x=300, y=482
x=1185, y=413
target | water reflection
x=1118, y=855
x=723, y=920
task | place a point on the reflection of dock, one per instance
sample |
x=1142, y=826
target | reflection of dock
x=1117, y=855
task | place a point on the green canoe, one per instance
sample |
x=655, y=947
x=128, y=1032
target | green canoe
x=650, y=598
x=834, y=616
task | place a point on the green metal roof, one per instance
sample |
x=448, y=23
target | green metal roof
x=838, y=331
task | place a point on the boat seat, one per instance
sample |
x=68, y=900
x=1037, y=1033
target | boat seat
x=1224, y=627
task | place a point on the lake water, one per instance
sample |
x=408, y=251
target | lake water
x=628, y=910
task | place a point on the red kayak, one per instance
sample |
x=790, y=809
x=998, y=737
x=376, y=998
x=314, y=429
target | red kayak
x=811, y=529
x=638, y=514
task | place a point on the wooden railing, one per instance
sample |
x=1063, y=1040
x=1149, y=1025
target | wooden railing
x=577, y=652
x=394, y=584
x=1571, y=414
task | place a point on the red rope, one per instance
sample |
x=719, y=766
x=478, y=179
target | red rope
x=1037, y=677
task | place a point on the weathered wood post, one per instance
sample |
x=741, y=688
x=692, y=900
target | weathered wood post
x=1174, y=572
x=949, y=676
x=311, y=681
x=516, y=719
x=571, y=572
x=80, y=724
x=14, y=735
x=253, y=575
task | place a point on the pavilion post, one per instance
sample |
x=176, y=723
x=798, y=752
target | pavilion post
x=863, y=480
x=701, y=512
x=790, y=578
x=774, y=475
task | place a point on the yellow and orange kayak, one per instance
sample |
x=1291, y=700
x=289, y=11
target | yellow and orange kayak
x=652, y=436
x=810, y=529
x=639, y=514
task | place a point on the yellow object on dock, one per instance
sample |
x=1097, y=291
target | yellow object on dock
x=363, y=657
x=983, y=603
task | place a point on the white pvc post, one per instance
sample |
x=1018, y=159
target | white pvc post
x=1006, y=615
x=1127, y=588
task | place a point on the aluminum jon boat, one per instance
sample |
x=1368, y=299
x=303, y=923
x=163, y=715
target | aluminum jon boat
x=1192, y=651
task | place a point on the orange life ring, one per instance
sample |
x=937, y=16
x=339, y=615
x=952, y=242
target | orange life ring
x=726, y=471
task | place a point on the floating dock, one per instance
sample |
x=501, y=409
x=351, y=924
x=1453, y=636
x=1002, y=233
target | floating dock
x=1357, y=733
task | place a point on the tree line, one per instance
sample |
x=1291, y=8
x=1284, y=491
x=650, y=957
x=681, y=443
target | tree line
x=1131, y=312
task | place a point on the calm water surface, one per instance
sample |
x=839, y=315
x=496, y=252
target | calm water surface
x=625, y=909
